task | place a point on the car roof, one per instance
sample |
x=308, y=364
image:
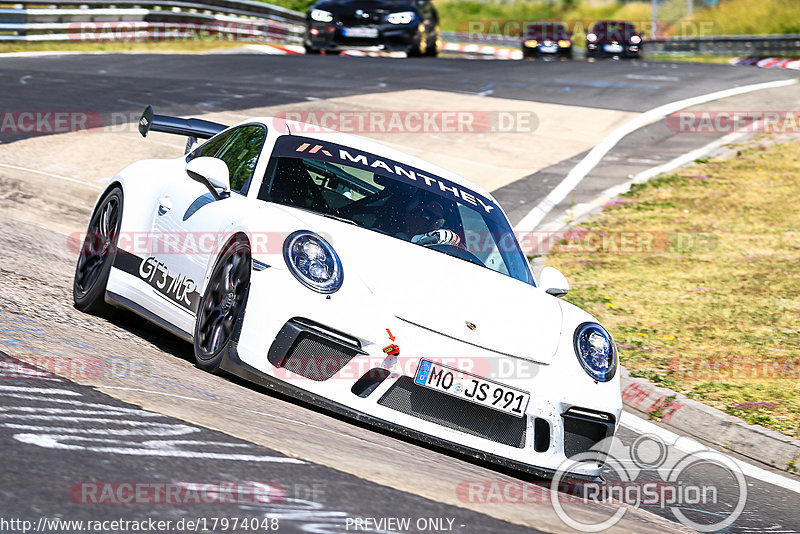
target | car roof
x=363, y=144
x=613, y=23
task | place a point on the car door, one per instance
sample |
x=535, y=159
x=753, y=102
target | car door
x=189, y=222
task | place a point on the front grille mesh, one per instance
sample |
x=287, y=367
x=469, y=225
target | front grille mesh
x=433, y=406
x=316, y=358
x=371, y=19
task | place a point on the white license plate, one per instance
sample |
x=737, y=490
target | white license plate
x=472, y=388
x=548, y=49
x=612, y=48
x=360, y=32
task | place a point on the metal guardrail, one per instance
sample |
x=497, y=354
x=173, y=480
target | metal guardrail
x=481, y=38
x=727, y=45
x=134, y=20
x=718, y=45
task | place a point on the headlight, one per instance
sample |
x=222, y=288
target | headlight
x=563, y=43
x=313, y=261
x=531, y=43
x=635, y=39
x=321, y=16
x=596, y=351
x=403, y=17
x=591, y=37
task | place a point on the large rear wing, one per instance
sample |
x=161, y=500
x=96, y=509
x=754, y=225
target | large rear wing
x=194, y=129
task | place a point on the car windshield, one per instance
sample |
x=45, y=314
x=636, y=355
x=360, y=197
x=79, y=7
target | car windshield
x=547, y=30
x=614, y=30
x=394, y=199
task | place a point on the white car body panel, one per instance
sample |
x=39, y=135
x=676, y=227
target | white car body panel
x=425, y=298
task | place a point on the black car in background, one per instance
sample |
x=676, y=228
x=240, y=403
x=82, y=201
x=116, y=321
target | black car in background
x=613, y=38
x=547, y=39
x=410, y=26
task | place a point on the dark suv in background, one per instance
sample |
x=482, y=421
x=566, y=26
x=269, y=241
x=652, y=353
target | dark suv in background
x=547, y=39
x=613, y=38
x=373, y=25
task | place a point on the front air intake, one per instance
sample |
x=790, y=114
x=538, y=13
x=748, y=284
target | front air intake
x=584, y=430
x=312, y=350
x=433, y=406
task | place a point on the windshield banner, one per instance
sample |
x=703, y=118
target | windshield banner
x=291, y=146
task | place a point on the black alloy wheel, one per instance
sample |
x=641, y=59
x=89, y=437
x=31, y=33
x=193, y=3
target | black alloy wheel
x=222, y=304
x=97, y=254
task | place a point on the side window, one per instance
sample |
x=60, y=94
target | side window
x=239, y=149
x=212, y=146
x=241, y=154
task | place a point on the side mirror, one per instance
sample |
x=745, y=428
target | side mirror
x=212, y=173
x=553, y=282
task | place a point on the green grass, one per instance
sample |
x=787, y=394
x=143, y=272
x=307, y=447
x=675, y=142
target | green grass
x=731, y=17
x=745, y=17
x=711, y=305
x=456, y=15
x=720, y=60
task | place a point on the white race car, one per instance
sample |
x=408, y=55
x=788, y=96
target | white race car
x=357, y=278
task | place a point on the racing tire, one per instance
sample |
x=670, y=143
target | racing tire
x=222, y=304
x=312, y=51
x=97, y=253
x=333, y=52
x=432, y=50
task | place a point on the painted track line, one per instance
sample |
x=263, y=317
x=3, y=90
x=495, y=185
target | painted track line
x=688, y=445
x=590, y=161
x=585, y=208
x=254, y=412
x=43, y=173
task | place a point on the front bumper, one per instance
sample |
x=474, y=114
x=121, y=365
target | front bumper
x=614, y=49
x=335, y=360
x=546, y=50
x=389, y=37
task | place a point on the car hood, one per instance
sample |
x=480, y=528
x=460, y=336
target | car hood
x=445, y=295
x=349, y=6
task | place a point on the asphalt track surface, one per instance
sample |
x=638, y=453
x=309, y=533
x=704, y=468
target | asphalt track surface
x=37, y=476
x=226, y=473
